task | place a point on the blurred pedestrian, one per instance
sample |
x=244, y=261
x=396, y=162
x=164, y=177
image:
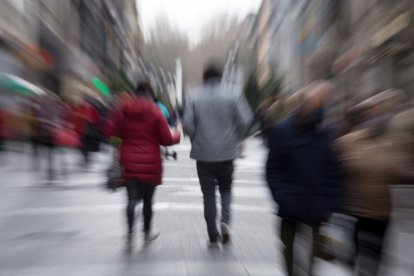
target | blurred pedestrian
x=2, y=127
x=216, y=121
x=65, y=137
x=47, y=115
x=372, y=159
x=3, y=132
x=89, y=129
x=302, y=171
x=143, y=129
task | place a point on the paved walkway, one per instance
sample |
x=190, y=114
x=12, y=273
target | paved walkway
x=74, y=227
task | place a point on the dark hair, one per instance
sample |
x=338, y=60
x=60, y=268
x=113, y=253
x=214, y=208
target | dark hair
x=144, y=88
x=212, y=71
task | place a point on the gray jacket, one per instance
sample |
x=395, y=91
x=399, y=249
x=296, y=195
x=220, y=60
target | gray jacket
x=216, y=120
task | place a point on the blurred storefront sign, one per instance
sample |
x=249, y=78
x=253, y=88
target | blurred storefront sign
x=386, y=51
x=116, y=18
x=35, y=57
x=307, y=28
x=388, y=31
x=316, y=39
x=349, y=59
x=13, y=83
x=324, y=48
x=101, y=86
x=310, y=17
x=80, y=65
x=10, y=64
x=31, y=54
x=70, y=67
x=324, y=54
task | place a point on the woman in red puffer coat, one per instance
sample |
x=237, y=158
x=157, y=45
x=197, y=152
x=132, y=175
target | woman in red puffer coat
x=143, y=129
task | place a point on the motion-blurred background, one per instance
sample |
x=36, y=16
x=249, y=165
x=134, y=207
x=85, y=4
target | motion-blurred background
x=64, y=64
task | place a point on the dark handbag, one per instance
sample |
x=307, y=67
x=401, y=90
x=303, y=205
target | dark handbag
x=92, y=138
x=93, y=132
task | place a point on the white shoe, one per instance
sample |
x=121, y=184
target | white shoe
x=225, y=233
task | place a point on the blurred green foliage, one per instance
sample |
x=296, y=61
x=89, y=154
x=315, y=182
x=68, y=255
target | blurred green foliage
x=255, y=95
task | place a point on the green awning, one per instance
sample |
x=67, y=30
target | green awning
x=101, y=86
x=15, y=84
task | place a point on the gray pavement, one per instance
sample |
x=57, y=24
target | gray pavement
x=75, y=227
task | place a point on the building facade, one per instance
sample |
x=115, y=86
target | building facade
x=61, y=45
x=364, y=47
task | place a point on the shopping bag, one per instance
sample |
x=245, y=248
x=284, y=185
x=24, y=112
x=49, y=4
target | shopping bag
x=337, y=236
x=114, y=175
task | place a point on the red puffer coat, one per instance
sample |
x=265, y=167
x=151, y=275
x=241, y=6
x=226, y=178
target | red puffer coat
x=143, y=128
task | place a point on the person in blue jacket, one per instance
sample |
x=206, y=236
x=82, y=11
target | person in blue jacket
x=167, y=116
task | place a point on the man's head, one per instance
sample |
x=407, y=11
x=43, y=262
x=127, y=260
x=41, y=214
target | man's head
x=212, y=72
x=313, y=98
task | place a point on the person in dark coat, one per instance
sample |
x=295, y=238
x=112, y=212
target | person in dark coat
x=143, y=129
x=47, y=117
x=302, y=170
x=89, y=130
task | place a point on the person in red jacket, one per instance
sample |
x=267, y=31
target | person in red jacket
x=143, y=129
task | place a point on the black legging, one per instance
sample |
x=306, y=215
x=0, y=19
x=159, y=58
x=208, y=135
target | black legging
x=369, y=241
x=138, y=191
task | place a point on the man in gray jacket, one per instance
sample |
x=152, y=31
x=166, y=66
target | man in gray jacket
x=216, y=119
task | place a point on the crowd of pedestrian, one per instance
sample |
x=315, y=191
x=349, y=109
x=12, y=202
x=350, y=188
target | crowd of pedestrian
x=312, y=172
x=313, y=175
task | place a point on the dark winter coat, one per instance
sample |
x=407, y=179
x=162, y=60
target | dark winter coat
x=303, y=173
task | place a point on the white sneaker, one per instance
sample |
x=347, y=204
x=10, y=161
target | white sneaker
x=225, y=233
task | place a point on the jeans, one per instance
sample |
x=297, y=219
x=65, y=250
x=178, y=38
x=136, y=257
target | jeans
x=138, y=191
x=212, y=174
